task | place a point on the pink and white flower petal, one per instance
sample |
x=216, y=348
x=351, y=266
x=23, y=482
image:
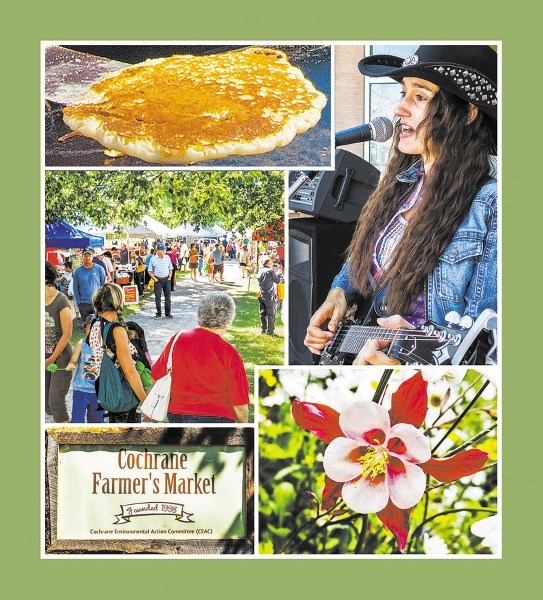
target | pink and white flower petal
x=365, y=422
x=415, y=447
x=406, y=483
x=341, y=459
x=366, y=495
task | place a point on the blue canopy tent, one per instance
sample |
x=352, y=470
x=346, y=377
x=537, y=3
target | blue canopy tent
x=62, y=235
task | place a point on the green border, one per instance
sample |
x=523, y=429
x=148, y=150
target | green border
x=25, y=25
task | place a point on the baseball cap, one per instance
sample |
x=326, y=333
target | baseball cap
x=98, y=251
x=88, y=250
x=160, y=246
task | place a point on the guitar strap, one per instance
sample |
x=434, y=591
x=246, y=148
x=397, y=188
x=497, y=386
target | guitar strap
x=369, y=309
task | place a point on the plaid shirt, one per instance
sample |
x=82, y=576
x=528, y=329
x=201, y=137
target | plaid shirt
x=389, y=237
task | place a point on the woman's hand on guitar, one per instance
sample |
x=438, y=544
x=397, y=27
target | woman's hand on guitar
x=333, y=308
x=372, y=352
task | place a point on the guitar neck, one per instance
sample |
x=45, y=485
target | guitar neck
x=431, y=344
x=409, y=346
x=352, y=338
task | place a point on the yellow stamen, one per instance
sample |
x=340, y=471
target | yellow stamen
x=374, y=461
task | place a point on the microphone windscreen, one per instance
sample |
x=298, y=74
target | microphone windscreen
x=383, y=129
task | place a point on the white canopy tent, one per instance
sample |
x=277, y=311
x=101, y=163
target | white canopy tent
x=216, y=230
x=186, y=229
x=158, y=228
x=140, y=231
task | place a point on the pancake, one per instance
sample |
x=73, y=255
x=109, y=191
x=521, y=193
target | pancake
x=185, y=109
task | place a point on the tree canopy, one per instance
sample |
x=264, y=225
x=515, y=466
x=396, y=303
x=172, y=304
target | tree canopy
x=238, y=200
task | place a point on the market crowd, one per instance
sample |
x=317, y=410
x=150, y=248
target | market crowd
x=209, y=383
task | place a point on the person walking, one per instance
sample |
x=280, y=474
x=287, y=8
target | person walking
x=108, y=305
x=193, y=261
x=86, y=280
x=244, y=261
x=209, y=383
x=218, y=263
x=172, y=254
x=268, y=278
x=160, y=271
x=138, y=265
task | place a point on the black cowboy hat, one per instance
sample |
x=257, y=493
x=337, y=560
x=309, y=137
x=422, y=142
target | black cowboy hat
x=469, y=72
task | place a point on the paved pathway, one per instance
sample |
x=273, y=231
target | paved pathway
x=185, y=300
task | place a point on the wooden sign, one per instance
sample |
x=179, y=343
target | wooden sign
x=131, y=295
x=166, y=490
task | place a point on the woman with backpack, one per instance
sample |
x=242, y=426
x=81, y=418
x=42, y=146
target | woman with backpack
x=110, y=330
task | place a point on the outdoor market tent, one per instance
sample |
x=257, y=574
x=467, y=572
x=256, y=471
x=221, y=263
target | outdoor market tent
x=141, y=231
x=189, y=230
x=216, y=230
x=158, y=228
x=60, y=234
x=147, y=228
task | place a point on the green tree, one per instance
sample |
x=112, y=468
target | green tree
x=236, y=199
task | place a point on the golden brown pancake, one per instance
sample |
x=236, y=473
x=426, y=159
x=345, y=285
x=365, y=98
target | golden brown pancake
x=185, y=109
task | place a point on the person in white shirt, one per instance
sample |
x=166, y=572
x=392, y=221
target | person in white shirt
x=160, y=270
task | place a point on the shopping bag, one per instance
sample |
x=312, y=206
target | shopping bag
x=155, y=406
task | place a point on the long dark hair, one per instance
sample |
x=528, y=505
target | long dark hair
x=51, y=274
x=461, y=147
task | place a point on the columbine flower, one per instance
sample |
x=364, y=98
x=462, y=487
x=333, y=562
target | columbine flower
x=377, y=459
x=489, y=530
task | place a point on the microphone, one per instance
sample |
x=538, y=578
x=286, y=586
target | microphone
x=379, y=129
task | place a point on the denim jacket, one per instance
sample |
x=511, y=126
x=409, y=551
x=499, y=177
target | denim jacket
x=465, y=279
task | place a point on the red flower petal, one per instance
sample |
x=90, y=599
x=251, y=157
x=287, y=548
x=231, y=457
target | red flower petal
x=331, y=493
x=397, y=520
x=321, y=420
x=410, y=402
x=459, y=465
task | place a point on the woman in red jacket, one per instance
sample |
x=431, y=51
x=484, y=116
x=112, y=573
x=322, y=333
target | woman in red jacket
x=209, y=384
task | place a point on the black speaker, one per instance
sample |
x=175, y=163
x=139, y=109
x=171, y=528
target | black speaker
x=316, y=253
x=338, y=195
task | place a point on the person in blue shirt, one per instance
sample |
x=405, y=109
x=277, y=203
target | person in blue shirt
x=426, y=240
x=86, y=280
x=85, y=407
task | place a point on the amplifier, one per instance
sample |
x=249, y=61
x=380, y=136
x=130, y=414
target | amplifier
x=337, y=195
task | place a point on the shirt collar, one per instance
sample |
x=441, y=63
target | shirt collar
x=412, y=174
